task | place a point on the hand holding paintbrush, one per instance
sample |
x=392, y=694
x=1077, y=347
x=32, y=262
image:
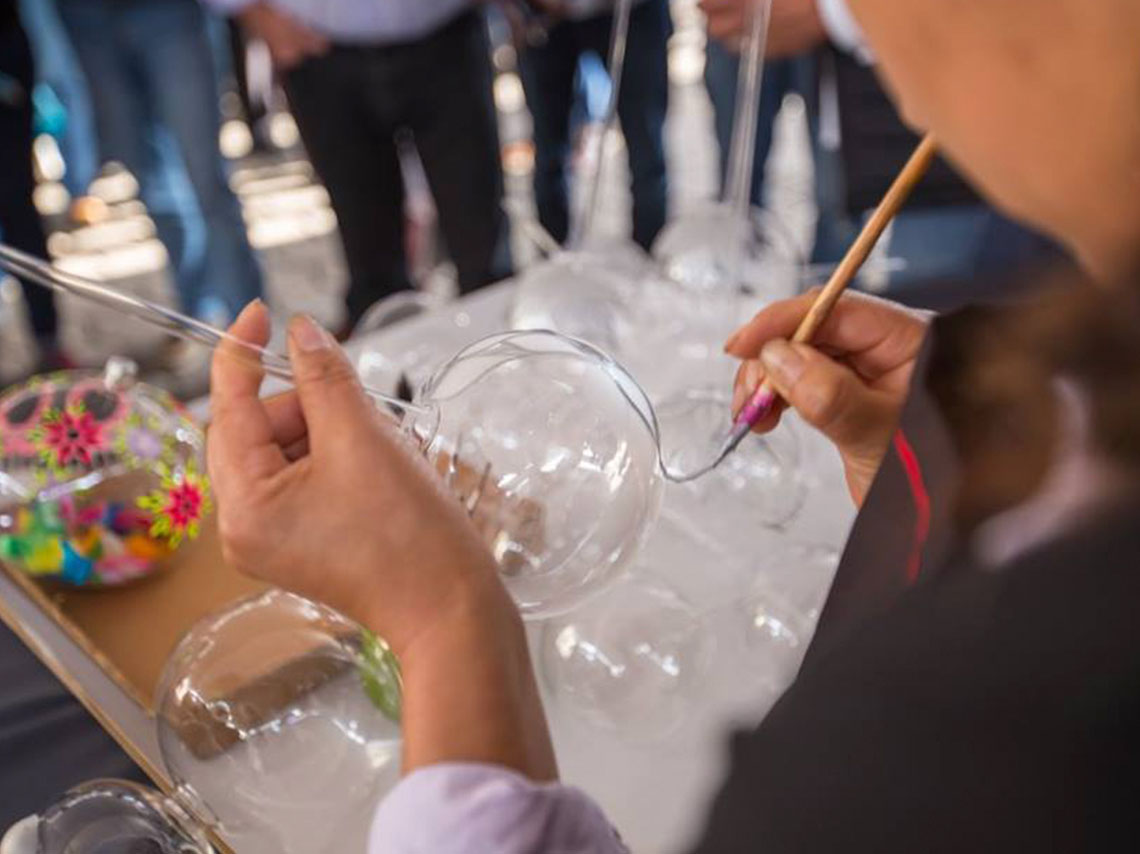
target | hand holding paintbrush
x=880, y=319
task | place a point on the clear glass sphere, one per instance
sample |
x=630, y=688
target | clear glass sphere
x=117, y=817
x=714, y=250
x=760, y=483
x=548, y=443
x=632, y=662
x=101, y=477
x=278, y=721
x=781, y=606
x=803, y=572
x=776, y=635
x=579, y=295
x=400, y=362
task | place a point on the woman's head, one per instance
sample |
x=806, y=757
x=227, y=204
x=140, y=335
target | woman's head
x=997, y=377
x=1037, y=100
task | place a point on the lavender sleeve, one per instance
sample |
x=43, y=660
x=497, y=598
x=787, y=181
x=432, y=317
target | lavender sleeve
x=465, y=808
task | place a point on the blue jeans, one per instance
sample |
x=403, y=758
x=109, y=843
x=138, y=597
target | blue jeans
x=58, y=68
x=150, y=70
x=548, y=74
x=722, y=69
x=935, y=245
x=782, y=77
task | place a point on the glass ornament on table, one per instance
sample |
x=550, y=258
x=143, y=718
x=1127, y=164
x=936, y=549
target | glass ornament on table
x=780, y=606
x=691, y=318
x=109, y=817
x=726, y=247
x=398, y=362
x=632, y=662
x=588, y=290
x=717, y=250
x=102, y=477
x=552, y=447
x=577, y=295
x=761, y=484
x=278, y=723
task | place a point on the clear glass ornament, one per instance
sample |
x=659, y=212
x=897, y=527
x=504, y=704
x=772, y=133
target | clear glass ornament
x=401, y=363
x=278, y=721
x=761, y=483
x=632, y=662
x=716, y=251
x=117, y=817
x=550, y=445
x=576, y=294
x=781, y=606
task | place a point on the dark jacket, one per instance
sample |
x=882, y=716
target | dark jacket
x=947, y=708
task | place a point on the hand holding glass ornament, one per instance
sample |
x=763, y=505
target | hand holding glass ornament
x=319, y=477
x=320, y=493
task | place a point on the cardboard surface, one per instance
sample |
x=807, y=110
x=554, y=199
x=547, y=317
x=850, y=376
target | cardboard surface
x=132, y=630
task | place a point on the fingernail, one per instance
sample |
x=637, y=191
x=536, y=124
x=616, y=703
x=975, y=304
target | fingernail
x=782, y=362
x=308, y=335
x=250, y=306
x=732, y=339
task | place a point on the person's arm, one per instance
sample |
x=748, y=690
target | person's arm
x=290, y=41
x=319, y=493
x=303, y=481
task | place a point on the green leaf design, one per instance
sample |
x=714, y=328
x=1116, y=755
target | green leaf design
x=380, y=675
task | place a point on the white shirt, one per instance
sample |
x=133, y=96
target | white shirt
x=362, y=21
x=842, y=28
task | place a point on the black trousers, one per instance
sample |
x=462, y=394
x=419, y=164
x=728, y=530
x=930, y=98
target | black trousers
x=353, y=103
x=20, y=224
x=548, y=77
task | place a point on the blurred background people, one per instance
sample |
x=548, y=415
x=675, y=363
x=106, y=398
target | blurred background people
x=364, y=79
x=858, y=143
x=252, y=69
x=63, y=103
x=150, y=70
x=20, y=223
x=548, y=70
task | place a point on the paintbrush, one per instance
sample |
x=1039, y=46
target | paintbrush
x=764, y=398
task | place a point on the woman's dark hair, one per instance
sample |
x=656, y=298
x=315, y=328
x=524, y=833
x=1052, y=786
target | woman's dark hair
x=995, y=374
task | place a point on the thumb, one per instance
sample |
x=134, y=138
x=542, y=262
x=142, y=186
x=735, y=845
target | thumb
x=828, y=395
x=332, y=400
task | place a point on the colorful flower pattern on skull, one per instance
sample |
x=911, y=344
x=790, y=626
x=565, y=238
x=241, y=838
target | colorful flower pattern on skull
x=68, y=438
x=58, y=430
x=179, y=505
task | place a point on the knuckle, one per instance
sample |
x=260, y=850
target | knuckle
x=824, y=398
x=238, y=537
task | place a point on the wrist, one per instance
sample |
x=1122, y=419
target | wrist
x=469, y=693
x=253, y=14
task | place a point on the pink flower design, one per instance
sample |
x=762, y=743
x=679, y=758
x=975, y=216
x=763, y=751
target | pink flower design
x=183, y=506
x=179, y=506
x=69, y=436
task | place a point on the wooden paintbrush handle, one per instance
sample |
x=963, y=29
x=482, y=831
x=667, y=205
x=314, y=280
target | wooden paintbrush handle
x=856, y=256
